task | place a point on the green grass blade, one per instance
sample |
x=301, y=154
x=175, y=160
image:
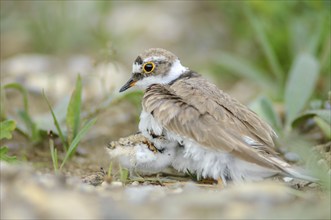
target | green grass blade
x=53, y=155
x=31, y=126
x=124, y=174
x=22, y=90
x=73, y=112
x=324, y=114
x=3, y=100
x=57, y=125
x=325, y=56
x=324, y=126
x=264, y=108
x=76, y=140
x=266, y=45
x=316, y=36
x=6, y=128
x=110, y=169
x=300, y=84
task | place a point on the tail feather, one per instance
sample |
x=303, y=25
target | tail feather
x=294, y=172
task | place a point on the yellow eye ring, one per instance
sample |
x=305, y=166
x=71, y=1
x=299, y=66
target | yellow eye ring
x=148, y=67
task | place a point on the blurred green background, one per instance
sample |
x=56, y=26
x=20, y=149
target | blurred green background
x=220, y=38
x=272, y=55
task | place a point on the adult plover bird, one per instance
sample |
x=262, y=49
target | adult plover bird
x=213, y=134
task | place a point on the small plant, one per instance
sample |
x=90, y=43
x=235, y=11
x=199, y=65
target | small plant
x=289, y=76
x=124, y=174
x=53, y=152
x=320, y=112
x=70, y=137
x=110, y=170
x=6, y=129
x=294, y=87
x=29, y=128
x=73, y=123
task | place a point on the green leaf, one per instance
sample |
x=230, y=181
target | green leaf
x=6, y=128
x=124, y=174
x=60, y=110
x=324, y=114
x=300, y=84
x=73, y=112
x=241, y=67
x=57, y=125
x=5, y=157
x=324, y=126
x=265, y=44
x=75, y=142
x=264, y=108
x=31, y=128
x=315, y=38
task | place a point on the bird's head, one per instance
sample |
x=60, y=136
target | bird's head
x=154, y=66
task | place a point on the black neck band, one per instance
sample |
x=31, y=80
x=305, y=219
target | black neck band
x=188, y=74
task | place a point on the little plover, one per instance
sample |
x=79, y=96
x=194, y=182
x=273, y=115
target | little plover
x=140, y=156
x=213, y=134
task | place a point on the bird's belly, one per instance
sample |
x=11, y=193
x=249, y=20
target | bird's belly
x=208, y=163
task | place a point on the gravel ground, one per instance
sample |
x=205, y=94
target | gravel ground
x=27, y=194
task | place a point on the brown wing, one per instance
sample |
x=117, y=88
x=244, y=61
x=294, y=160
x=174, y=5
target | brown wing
x=198, y=110
x=207, y=97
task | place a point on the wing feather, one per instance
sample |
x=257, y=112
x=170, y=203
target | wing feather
x=209, y=117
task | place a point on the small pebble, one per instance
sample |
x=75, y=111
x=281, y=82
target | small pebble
x=135, y=183
x=177, y=191
x=288, y=179
x=116, y=183
x=105, y=184
x=146, y=183
x=291, y=156
x=190, y=186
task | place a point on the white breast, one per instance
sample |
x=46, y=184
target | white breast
x=148, y=125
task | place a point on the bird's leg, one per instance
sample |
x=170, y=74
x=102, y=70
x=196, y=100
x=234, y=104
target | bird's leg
x=220, y=183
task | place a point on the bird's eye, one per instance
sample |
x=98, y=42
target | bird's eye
x=148, y=67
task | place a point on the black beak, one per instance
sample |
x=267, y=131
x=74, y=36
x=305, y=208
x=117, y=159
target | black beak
x=128, y=85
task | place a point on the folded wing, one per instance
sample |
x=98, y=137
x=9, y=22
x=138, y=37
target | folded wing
x=198, y=110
